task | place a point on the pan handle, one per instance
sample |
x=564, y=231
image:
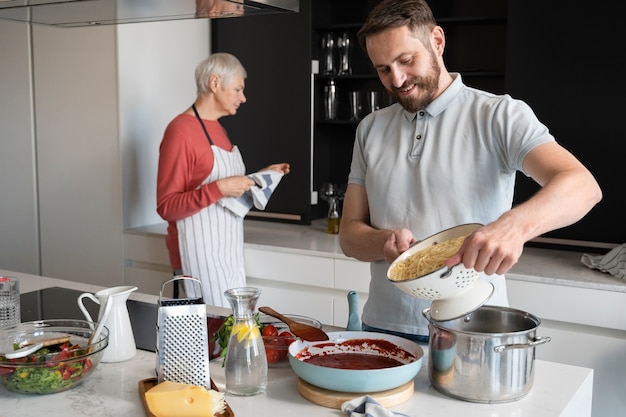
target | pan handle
x=536, y=342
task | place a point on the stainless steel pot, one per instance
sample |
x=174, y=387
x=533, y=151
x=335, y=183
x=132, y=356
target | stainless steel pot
x=486, y=357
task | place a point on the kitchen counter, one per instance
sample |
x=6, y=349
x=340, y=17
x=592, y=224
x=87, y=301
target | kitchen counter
x=558, y=390
x=551, y=266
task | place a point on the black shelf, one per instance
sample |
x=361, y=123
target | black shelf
x=328, y=77
x=279, y=124
x=472, y=20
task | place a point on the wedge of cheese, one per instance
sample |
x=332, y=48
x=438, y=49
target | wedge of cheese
x=174, y=399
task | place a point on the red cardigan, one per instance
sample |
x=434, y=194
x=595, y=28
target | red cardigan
x=185, y=160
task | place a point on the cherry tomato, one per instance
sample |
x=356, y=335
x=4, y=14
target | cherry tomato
x=273, y=354
x=269, y=330
x=288, y=337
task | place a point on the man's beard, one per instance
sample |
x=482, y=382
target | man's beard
x=426, y=88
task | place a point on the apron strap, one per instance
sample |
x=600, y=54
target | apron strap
x=193, y=106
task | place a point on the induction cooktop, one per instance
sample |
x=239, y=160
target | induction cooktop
x=61, y=303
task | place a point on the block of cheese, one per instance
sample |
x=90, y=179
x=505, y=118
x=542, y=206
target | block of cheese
x=175, y=399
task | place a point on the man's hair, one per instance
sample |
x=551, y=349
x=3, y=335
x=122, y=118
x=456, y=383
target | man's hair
x=415, y=14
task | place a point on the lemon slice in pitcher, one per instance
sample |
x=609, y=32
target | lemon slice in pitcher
x=246, y=330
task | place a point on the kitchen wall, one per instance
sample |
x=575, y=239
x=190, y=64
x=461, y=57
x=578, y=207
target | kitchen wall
x=18, y=215
x=83, y=113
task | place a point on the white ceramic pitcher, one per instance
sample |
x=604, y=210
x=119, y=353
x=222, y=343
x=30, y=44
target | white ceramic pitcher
x=114, y=313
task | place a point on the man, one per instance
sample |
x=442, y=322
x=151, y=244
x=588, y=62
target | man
x=443, y=155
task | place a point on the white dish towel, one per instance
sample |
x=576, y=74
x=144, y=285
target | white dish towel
x=613, y=263
x=367, y=406
x=266, y=183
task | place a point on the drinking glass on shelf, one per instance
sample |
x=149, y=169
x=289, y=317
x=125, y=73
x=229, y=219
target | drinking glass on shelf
x=344, y=45
x=373, y=100
x=356, y=107
x=330, y=101
x=328, y=53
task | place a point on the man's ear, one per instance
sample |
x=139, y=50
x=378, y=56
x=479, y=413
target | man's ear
x=438, y=39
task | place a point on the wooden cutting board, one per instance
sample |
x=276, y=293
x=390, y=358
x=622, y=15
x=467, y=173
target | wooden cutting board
x=146, y=384
x=334, y=399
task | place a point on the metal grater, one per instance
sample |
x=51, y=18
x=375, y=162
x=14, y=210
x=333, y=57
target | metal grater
x=182, y=346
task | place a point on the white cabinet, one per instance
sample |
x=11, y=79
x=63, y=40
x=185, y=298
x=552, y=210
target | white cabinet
x=587, y=327
x=294, y=283
x=315, y=286
x=83, y=113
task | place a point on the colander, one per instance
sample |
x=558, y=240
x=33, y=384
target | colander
x=454, y=291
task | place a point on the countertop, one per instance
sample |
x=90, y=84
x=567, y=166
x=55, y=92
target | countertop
x=558, y=267
x=558, y=390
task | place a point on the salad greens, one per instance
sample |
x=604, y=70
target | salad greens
x=222, y=335
x=50, y=369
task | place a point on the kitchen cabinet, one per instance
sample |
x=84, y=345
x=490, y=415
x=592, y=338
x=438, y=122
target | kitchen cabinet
x=308, y=277
x=549, y=65
x=475, y=47
x=84, y=110
x=274, y=125
x=284, y=116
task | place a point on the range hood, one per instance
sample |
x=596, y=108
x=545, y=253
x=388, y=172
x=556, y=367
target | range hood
x=79, y=13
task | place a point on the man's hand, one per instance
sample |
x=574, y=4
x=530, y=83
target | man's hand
x=492, y=249
x=398, y=241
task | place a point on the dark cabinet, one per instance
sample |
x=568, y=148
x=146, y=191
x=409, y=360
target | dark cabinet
x=284, y=117
x=565, y=60
x=274, y=125
x=476, y=33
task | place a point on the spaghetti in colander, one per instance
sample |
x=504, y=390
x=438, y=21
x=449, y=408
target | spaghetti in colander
x=426, y=260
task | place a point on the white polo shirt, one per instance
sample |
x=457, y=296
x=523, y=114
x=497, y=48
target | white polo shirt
x=452, y=163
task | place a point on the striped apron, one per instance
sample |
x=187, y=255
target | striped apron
x=211, y=241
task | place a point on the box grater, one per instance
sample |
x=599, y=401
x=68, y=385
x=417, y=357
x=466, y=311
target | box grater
x=182, y=345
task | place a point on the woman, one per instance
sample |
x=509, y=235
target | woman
x=198, y=165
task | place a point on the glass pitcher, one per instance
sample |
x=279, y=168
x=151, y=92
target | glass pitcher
x=245, y=365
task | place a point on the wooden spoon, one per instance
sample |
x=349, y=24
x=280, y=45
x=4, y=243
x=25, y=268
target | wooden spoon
x=303, y=331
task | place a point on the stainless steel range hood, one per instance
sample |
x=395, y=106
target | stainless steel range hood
x=77, y=13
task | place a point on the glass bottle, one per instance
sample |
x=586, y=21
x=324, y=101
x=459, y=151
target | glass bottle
x=333, y=216
x=245, y=364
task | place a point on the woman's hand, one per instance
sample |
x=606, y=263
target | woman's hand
x=283, y=167
x=234, y=186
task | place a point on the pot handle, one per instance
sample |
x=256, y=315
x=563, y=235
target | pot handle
x=536, y=342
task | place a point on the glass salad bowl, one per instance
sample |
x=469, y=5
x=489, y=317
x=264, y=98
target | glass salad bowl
x=52, y=368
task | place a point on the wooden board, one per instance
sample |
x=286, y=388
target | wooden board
x=146, y=384
x=334, y=399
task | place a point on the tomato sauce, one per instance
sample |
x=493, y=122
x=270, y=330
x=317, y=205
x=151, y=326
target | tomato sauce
x=353, y=361
x=356, y=354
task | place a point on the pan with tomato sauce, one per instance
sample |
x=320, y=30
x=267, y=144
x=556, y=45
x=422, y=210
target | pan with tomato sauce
x=356, y=361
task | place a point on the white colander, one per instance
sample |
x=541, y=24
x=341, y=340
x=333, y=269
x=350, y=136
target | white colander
x=443, y=282
x=445, y=286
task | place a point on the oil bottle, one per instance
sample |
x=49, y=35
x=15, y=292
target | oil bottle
x=334, y=219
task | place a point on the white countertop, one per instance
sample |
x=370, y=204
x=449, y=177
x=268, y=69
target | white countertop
x=559, y=267
x=112, y=390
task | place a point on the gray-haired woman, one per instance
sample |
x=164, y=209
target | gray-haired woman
x=198, y=166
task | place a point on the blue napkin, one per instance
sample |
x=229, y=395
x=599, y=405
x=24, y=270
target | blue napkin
x=258, y=196
x=367, y=406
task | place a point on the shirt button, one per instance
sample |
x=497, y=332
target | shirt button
x=418, y=137
x=422, y=113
